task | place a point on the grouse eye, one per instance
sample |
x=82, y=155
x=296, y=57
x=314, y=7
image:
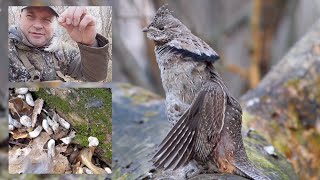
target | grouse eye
x=161, y=28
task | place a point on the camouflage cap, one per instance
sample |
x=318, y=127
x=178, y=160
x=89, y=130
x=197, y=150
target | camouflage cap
x=51, y=7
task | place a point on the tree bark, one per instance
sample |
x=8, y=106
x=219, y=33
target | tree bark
x=285, y=105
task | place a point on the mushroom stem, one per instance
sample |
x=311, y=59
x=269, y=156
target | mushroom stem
x=85, y=157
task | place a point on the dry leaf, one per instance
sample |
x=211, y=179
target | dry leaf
x=77, y=168
x=12, y=109
x=61, y=148
x=36, y=111
x=60, y=133
x=19, y=135
x=32, y=159
x=60, y=164
x=18, y=106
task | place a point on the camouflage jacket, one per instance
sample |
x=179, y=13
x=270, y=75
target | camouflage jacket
x=88, y=64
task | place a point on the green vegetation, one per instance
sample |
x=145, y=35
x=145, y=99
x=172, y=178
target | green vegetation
x=94, y=121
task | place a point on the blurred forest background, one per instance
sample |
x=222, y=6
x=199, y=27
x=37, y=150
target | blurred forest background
x=250, y=36
x=103, y=16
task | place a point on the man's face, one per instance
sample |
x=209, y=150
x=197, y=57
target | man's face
x=37, y=24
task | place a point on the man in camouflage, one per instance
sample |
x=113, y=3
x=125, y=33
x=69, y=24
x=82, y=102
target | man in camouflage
x=36, y=52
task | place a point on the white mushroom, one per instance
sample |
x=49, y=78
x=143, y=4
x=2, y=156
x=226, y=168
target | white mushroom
x=69, y=138
x=26, y=121
x=10, y=127
x=21, y=90
x=270, y=150
x=54, y=125
x=10, y=119
x=64, y=123
x=93, y=141
x=35, y=133
x=33, y=89
x=46, y=127
x=61, y=121
x=87, y=170
x=29, y=99
x=51, y=148
x=14, y=122
x=108, y=170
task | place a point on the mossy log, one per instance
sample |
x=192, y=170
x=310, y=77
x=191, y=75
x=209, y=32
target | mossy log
x=285, y=106
x=139, y=125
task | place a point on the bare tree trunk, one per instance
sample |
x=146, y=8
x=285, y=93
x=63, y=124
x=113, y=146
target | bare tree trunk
x=264, y=22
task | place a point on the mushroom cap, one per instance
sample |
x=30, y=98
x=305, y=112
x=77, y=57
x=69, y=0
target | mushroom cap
x=93, y=141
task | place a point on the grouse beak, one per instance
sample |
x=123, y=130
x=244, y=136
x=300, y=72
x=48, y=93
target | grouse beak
x=146, y=29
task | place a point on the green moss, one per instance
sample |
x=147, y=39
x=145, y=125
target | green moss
x=247, y=118
x=280, y=143
x=53, y=101
x=138, y=95
x=292, y=83
x=116, y=174
x=89, y=122
x=262, y=162
x=257, y=158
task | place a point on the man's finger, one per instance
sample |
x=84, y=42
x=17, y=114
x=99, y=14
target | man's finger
x=63, y=24
x=78, y=14
x=61, y=19
x=87, y=20
x=68, y=15
x=62, y=16
x=66, y=26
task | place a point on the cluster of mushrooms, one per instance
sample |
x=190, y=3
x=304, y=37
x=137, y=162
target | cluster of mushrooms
x=29, y=118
